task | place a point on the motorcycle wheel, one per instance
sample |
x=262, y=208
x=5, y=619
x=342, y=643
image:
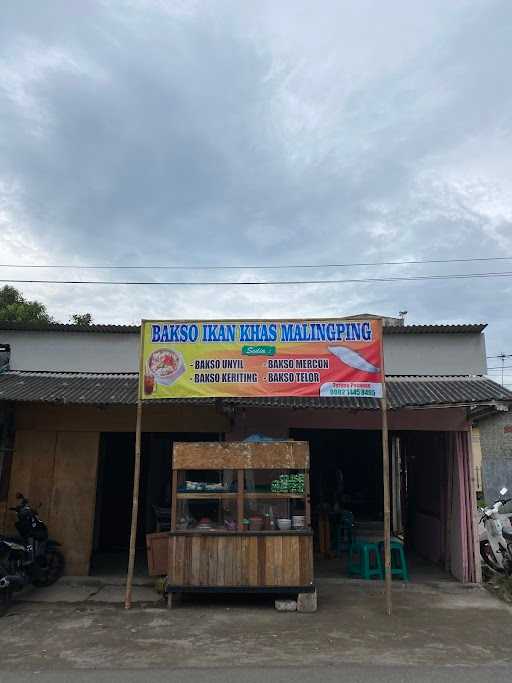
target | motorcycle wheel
x=489, y=557
x=55, y=564
x=5, y=601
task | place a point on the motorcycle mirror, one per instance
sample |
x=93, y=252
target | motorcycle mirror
x=503, y=491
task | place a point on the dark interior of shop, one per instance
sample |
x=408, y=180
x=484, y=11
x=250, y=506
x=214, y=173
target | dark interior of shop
x=345, y=475
x=346, y=471
x=114, y=495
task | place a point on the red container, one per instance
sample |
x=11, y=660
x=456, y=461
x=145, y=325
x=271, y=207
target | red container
x=255, y=523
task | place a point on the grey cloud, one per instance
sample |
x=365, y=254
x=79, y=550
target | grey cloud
x=223, y=133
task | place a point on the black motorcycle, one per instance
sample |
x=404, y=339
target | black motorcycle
x=31, y=557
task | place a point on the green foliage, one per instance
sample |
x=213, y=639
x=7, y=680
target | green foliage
x=83, y=319
x=15, y=308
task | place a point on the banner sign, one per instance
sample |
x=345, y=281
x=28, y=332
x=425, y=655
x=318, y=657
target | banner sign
x=187, y=359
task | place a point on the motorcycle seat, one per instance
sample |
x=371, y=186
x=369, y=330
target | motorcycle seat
x=507, y=533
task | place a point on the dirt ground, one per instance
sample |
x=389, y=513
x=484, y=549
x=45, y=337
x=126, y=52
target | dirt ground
x=437, y=623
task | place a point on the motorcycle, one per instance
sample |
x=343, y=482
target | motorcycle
x=495, y=534
x=32, y=557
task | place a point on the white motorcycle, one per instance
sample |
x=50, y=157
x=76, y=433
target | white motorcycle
x=495, y=532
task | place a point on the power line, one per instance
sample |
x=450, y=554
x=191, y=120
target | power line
x=260, y=267
x=206, y=283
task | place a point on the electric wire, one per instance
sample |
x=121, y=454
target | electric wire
x=233, y=283
x=258, y=267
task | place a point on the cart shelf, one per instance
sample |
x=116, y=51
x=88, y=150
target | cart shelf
x=206, y=495
x=273, y=495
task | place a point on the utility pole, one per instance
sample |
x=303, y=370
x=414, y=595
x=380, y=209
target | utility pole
x=502, y=357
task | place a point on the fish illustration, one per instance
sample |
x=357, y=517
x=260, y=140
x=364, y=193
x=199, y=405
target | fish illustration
x=353, y=359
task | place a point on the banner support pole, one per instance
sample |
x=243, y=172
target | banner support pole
x=136, y=482
x=386, y=487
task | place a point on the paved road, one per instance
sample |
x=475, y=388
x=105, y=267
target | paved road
x=353, y=673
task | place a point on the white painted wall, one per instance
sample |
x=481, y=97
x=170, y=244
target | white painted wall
x=435, y=354
x=405, y=354
x=72, y=351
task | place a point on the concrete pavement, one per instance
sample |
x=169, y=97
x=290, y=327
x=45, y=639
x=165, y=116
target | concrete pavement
x=438, y=624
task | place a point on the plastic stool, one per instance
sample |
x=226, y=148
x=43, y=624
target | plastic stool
x=364, y=560
x=398, y=561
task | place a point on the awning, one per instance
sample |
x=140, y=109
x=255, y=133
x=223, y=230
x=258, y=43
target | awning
x=121, y=389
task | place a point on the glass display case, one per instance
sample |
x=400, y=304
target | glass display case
x=240, y=500
x=240, y=517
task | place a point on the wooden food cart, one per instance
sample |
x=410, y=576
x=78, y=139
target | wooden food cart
x=240, y=518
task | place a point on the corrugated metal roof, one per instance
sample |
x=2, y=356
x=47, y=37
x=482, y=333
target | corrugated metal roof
x=121, y=389
x=435, y=329
x=66, y=327
x=61, y=387
x=134, y=329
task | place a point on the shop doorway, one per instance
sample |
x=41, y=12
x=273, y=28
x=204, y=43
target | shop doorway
x=346, y=476
x=346, y=471
x=114, y=495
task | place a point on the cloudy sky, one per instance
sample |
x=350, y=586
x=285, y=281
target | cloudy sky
x=158, y=133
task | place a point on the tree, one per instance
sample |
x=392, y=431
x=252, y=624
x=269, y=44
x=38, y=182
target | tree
x=15, y=308
x=83, y=319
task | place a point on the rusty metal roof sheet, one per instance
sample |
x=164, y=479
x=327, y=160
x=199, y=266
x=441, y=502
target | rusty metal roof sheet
x=121, y=389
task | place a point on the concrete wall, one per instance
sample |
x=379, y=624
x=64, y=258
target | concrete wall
x=405, y=354
x=496, y=473
x=435, y=354
x=496, y=435
x=496, y=442
x=72, y=351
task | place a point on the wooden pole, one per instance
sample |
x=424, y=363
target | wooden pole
x=135, y=509
x=385, y=475
x=136, y=477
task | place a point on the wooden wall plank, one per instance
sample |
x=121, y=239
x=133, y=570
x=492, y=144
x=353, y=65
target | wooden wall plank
x=253, y=561
x=279, y=569
x=157, y=547
x=262, y=559
x=204, y=560
x=156, y=418
x=187, y=560
x=195, y=561
x=42, y=476
x=241, y=455
x=238, y=560
x=221, y=570
x=73, y=504
x=244, y=560
x=212, y=563
x=292, y=560
x=32, y=471
x=171, y=560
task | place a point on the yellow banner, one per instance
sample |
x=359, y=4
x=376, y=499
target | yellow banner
x=186, y=359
